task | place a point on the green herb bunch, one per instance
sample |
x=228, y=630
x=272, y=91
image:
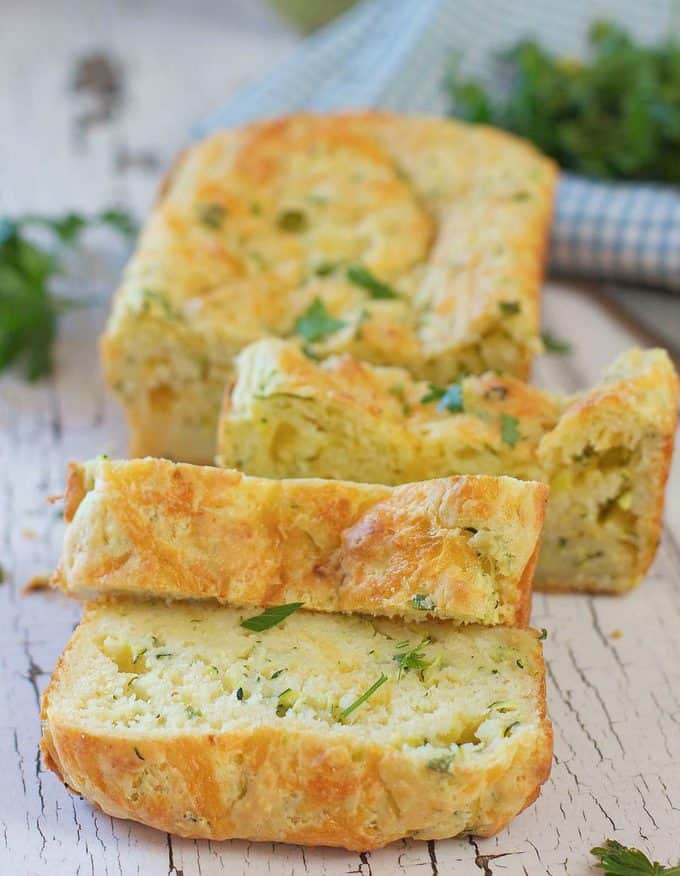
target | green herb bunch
x=29, y=311
x=617, y=860
x=615, y=116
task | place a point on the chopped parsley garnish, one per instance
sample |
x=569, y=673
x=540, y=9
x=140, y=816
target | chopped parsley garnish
x=555, y=345
x=276, y=674
x=362, y=699
x=544, y=635
x=316, y=322
x=361, y=276
x=618, y=860
x=509, y=429
x=434, y=393
x=519, y=663
x=239, y=693
x=270, y=617
x=29, y=312
x=163, y=654
x=292, y=220
x=509, y=308
x=211, y=215
x=510, y=728
x=193, y=713
x=423, y=602
x=414, y=658
x=136, y=750
x=452, y=400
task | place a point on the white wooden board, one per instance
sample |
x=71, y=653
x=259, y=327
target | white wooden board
x=615, y=701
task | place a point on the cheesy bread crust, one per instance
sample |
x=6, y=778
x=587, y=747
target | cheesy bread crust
x=422, y=240
x=462, y=548
x=605, y=452
x=178, y=717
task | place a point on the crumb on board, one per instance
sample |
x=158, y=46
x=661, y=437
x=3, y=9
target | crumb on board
x=29, y=533
x=35, y=583
x=616, y=634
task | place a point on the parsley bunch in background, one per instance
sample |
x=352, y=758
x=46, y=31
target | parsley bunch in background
x=615, y=116
x=28, y=309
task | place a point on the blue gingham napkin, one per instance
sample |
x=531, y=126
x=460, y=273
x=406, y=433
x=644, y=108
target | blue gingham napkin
x=393, y=54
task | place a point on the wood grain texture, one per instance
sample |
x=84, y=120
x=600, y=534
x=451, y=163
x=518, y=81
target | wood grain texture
x=615, y=701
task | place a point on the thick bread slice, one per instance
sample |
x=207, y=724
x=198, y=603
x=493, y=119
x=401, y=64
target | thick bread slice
x=605, y=453
x=460, y=548
x=420, y=241
x=178, y=717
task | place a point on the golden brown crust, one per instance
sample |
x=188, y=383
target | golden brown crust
x=153, y=527
x=292, y=785
x=348, y=793
x=454, y=217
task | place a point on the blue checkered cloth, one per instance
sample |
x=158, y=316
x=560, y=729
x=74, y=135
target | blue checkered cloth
x=393, y=54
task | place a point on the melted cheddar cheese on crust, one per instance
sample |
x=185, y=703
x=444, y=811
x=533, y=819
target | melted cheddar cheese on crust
x=462, y=548
x=416, y=242
x=605, y=453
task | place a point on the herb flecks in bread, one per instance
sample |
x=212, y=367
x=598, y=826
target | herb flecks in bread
x=177, y=716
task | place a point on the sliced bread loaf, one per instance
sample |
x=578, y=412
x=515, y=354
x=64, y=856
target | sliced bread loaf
x=605, y=453
x=462, y=548
x=320, y=729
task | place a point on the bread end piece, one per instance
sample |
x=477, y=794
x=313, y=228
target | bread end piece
x=607, y=462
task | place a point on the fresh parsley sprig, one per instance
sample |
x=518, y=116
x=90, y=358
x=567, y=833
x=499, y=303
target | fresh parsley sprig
x=412, y=659
x=29, y=312
x=449, y=399
x=618, y=860
x=346, y=712
x=270, y=617
x=316, y=323
x=361, y=276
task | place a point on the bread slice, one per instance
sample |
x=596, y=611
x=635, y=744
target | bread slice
x=605, y=453
x=416, y=242
x=460, y=548
x=323, y=729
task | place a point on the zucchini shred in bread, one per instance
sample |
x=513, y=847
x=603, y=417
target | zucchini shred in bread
x=605, y=453
x=461, y=548
x=416, y=242
x=178, y=717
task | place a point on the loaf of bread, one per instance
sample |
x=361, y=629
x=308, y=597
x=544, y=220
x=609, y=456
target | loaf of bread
x=605, y=453
x=416, y=242
x=462, y=548
x=322, y=729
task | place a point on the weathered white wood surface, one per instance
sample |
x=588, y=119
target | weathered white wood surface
x=615, y=701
